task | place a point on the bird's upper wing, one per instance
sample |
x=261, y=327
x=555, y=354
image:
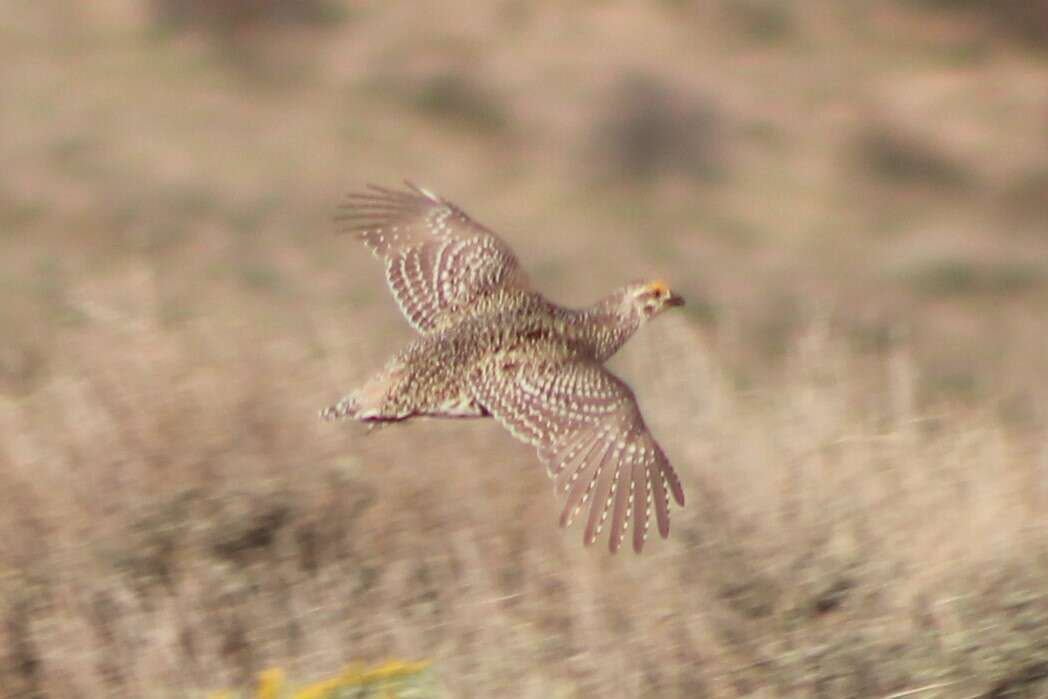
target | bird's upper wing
x=438, y=260
x=589, y=432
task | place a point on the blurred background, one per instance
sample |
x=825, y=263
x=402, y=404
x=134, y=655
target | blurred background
x=852, y=196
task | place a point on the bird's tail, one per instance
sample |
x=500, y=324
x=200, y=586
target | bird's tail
x=367, y=404
x=345, y=409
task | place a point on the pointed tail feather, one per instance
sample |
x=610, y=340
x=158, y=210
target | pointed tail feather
x=347, y=408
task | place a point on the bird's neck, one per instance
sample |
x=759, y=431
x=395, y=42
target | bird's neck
x=604, y=327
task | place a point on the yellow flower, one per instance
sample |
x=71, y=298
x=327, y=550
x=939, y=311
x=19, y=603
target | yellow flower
x=350, y=677
x=320, y=690
x=392, y=669
x=270, y=683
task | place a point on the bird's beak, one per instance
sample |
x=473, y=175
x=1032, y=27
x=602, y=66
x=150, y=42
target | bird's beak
x=675, y=300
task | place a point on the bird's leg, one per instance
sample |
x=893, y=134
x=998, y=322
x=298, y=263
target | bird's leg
x=345, y=408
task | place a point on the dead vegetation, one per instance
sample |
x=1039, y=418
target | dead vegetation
x=183, y=524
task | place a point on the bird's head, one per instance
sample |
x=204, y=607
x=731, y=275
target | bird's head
x=649, y=299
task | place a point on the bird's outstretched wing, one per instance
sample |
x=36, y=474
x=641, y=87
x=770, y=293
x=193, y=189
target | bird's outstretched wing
x=438, y=260
x=589, y=432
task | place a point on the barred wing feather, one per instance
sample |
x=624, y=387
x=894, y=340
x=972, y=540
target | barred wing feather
x=589, y=432
x=438, y=260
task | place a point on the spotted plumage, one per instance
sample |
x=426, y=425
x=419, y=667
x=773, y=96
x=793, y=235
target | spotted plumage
x=490, y=345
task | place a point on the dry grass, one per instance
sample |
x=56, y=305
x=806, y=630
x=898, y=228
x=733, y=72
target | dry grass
x=856, y=406
x=183, y=522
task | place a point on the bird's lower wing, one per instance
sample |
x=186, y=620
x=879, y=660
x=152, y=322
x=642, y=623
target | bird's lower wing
x=438, y=260
x=589, y=432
